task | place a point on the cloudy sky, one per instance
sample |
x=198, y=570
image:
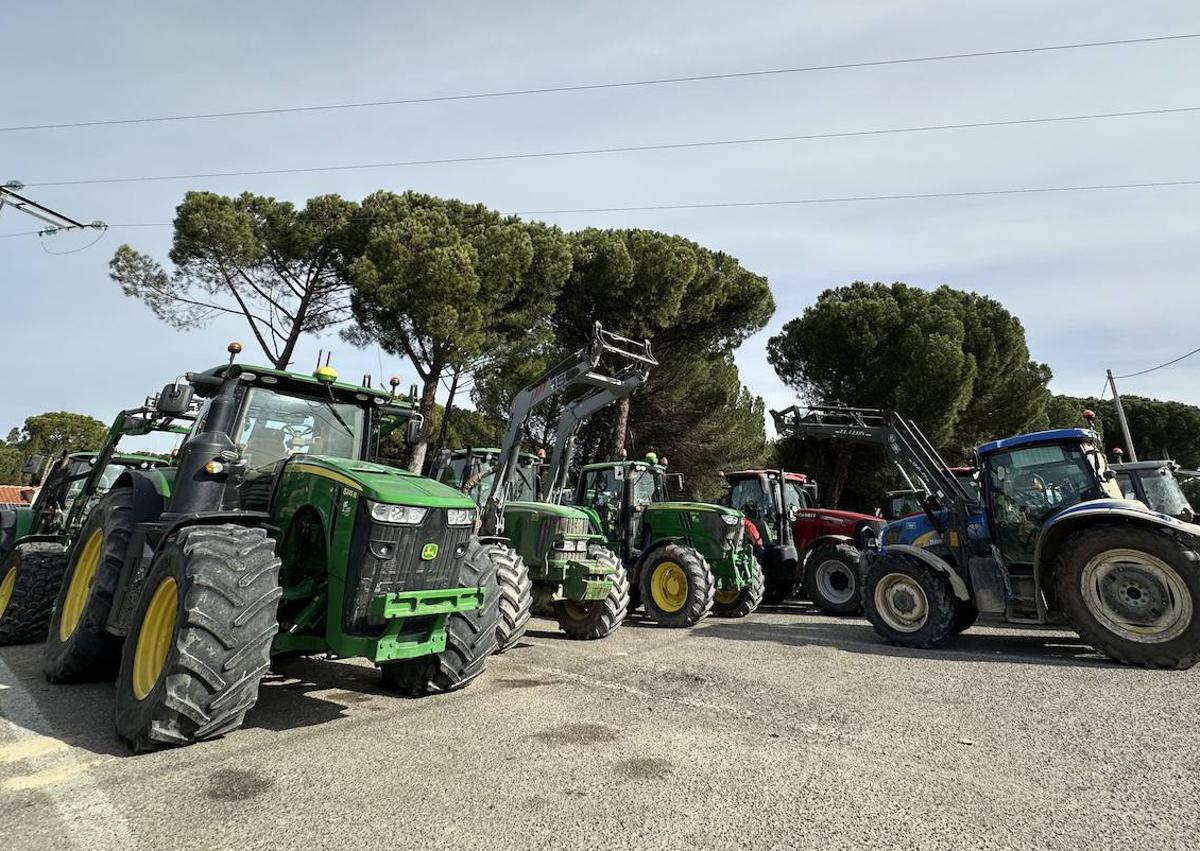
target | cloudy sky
x=1100, y=279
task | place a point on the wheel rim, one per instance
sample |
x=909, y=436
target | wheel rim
x=575, y=610
x=835, y=581
x=154, y=637
x=1136, y=596
x=727, y=598
x=81, y=585
x=6, y=589
x=669, y=586
x=901, y=602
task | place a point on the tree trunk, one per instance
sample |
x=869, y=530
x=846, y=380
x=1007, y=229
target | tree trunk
x=837, y=482
x=441, y=442
x=416, y=461
x=620, y=429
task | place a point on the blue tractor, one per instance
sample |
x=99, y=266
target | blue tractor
x=1047, y=538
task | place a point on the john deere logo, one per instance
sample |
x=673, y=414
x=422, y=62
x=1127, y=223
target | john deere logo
x=429, y=552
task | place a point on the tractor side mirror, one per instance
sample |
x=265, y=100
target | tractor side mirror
x=33, y=465
x=174, y=400
x=412, y=431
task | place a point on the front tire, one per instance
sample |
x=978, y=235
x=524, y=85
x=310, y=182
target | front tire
x=78, y=648
x=29, y=579
x=470, y=636
x=908, y=602
x=205, y=619
x=516, y=596
x=677, y=586
x=743, y=601
x=1133, y=594
x=595, y=619
x=833, y=579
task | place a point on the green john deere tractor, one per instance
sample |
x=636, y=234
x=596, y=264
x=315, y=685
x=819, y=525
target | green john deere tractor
x=275, y=533
x=686, y=559
x=565, y=568
x=34, y=540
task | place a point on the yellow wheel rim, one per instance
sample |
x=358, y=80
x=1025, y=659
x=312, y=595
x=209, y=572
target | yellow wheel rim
x=154, y=637
x=81, y=585
x=669, y=586
x=6, y=588
x=727, y=598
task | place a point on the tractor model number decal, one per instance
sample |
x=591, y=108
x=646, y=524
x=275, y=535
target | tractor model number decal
x=348, y=496
x=429, y=552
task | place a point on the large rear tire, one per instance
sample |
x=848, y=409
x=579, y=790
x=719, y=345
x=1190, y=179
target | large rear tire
x=1133, y=594
x=743, y=601
x=908, y=602
x=201, y=640
x=596, y=618
x=470, y=636
x=29, y=580
x=833, y=579
x=677, y=586
x=78, y=648
x=516, y=596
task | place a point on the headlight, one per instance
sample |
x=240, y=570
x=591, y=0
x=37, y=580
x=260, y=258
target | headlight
x=408, y=515
x=460, y=516
x=731, y=519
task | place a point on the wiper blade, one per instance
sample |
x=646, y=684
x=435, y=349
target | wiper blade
x=333, y=410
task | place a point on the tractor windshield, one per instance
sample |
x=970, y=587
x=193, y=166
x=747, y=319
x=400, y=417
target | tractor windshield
x=1164, y=494
x=274, y=426
x=1029, y=484
x=474, y=476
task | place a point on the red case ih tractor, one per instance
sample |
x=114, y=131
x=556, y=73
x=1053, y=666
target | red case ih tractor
x=804, y=550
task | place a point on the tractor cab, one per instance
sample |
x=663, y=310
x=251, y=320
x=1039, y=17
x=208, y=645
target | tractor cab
x=472, y=470
x=1029, y=479
x=769, y=509
x=284, y=420
x=620, y=491
x=1154, y=484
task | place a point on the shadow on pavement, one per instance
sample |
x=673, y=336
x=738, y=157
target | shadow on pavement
x=1034, y=645
x=81, y=715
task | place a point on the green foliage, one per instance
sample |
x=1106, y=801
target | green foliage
x=446, y=283
x=48, y=434
x=696, y=413
x=696, y=306
x=252, y=256
x=643, y=283
x=1160, y=429
x=955, y=362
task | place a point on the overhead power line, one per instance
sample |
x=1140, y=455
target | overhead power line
x=850, y=199
x=621, y=149
x=847, y=199
x=621, y=84
x=1160, y=366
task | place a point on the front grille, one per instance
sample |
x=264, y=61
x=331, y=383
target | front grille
x=554, y=527
x=385, y=558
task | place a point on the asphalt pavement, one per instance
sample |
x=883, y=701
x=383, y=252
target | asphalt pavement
x=783, y=730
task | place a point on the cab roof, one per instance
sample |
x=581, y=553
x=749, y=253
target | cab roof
x=296, y=382
x=790, y=476
x=1054, y=435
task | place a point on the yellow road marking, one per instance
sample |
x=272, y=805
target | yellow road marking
x=29, y=747
x=46, y=777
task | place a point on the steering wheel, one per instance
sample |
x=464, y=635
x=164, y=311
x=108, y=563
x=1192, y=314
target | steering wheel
x=297, y=434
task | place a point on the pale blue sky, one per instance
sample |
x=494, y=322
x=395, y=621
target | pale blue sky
x=1103, y=279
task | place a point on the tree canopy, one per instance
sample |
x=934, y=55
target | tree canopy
x=446, y=284
x=956, y=362
x=48, y=434
x=276, y=266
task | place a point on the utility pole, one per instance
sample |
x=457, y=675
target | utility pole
x=56, y=221
x=1121, y=416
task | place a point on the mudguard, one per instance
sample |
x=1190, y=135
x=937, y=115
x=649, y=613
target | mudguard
x=1083, y=514
x=941, y=565
x=827, y=539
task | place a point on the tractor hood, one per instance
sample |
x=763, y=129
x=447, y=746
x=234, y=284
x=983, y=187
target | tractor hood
x=545, y=509
x=379, y=482
x=1126, y=507
x=695, y=507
